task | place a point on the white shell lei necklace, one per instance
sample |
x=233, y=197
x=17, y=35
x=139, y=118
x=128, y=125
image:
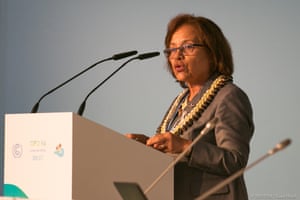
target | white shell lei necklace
x=198, y=109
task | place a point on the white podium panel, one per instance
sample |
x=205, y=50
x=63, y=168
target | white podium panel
x=64, y=156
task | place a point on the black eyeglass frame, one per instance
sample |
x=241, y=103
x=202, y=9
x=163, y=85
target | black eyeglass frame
x=182, y=48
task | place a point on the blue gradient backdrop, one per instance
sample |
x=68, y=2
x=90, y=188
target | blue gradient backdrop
x=45, y=42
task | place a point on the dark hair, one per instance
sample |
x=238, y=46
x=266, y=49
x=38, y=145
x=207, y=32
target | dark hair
x=213, y=38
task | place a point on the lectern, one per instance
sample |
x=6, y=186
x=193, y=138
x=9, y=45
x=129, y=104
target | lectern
x=64, y=156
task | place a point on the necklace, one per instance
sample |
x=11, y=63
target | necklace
x=197, y=110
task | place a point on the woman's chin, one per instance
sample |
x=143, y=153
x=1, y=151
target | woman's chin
x=181, y=77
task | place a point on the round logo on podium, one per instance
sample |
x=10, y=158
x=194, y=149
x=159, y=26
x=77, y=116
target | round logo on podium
x=17, y=150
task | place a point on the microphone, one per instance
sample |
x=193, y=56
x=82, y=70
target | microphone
x=140, y=57
x=208, y=127
x=114, y=57
x=280, y=146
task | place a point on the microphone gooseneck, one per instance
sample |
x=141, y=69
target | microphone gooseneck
x=139, y=57
x=114, y=57
x=278, y=147
x=208, y=127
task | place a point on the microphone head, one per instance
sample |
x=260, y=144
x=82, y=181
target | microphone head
x=209, y=126
x=148, y=55
x=124, y=55
x=212, y=123
x=280, y=146
x=283, y=144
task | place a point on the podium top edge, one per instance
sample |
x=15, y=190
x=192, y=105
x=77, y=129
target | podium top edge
x=41, y=113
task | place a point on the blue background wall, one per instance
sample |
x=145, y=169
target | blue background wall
x=45, y=42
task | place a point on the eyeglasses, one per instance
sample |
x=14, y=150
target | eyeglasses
x=186, y=49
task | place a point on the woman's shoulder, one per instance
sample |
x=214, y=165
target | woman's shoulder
x=232, y=92
x=232, y=88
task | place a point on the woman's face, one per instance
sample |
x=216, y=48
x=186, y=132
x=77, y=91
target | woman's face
x=193, y=65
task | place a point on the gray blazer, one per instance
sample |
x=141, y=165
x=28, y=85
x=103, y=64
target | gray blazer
x=221, y=152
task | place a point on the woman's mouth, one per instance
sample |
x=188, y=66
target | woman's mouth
x=179, y=68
